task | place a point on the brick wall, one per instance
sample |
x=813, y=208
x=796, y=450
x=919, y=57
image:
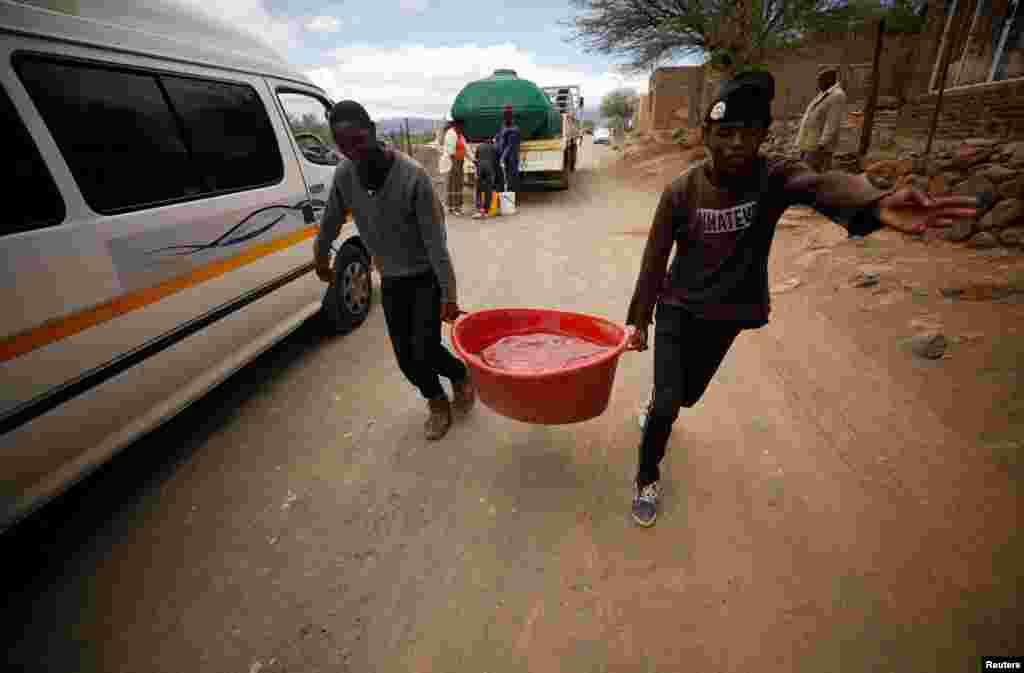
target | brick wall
x=671, y=89
x=796, y=71
x=642, y=119
x=986, y=110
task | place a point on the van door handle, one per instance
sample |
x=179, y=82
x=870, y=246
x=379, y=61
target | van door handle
x=317, y=188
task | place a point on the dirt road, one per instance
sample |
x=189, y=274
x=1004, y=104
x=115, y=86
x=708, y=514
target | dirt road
x=817, y=516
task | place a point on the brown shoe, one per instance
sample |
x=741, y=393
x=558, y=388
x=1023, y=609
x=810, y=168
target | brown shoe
x=464, y=395
x=440, y=418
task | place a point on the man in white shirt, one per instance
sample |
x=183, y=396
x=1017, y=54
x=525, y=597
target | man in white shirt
x=819, y=129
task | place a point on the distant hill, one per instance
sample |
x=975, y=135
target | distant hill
x=416, y=125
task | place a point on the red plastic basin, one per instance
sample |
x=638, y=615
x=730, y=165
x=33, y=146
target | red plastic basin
x=569, y=395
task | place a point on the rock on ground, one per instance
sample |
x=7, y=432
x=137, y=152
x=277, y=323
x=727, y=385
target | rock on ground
x=983, y=240
x=974, y=185
x=1003, y=214
x=1012, y=236
x=960, y=231
x=1012, y=189
x=930, y=345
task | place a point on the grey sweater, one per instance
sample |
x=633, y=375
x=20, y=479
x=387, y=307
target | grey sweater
x=402, y=224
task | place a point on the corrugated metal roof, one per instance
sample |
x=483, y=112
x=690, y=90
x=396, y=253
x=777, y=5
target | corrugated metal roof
x=161, y=28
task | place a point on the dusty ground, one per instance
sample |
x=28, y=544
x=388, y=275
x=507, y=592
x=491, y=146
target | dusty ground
x=833, y=504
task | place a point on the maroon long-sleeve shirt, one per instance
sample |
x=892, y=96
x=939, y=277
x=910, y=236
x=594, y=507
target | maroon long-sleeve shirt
x=723, y=237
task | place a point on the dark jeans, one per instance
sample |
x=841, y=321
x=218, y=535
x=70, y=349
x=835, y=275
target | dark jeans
x=455, y=178
x=512, y=175
x=485, y=182
x=687, y=353
x=412, y=310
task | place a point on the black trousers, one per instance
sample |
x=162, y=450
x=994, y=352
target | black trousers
x=486, y=182
x=412, y=310
x=687, y=353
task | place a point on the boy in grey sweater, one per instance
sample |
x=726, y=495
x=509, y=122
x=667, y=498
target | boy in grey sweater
x=402, y=223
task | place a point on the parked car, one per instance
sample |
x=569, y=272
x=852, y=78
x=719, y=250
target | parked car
x=602, y=136
x=160, y=231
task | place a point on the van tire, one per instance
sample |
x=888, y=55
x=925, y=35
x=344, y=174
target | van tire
x=349, y=296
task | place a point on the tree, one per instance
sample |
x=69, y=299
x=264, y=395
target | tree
x=618, y=105
x=730, y=35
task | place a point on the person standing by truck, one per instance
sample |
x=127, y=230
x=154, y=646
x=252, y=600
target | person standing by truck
x=721, y=215
x=410, y=246
x=487, y=171
x=507, y=143
x=455, y=148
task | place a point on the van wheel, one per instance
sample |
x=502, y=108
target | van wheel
x=350, y=293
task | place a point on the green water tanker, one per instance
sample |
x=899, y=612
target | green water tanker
x=547, y=119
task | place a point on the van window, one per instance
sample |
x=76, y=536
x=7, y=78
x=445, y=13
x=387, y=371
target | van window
x=233, y=143
x=115, y=131
x=36, y=202
x=137, y=139
x=307, y=119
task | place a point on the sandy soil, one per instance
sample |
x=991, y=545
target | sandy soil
x=833, y=504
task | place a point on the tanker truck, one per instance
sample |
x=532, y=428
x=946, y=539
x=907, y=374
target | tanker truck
x=548, y=119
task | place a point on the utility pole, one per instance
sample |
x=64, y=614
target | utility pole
x=869, y=109
x=943, y=67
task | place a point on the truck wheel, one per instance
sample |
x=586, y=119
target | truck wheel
x=350, y=293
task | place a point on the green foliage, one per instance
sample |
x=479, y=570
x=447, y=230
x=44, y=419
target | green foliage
x=398, y=139
x=309, y=123
x=619, y=104
x=901, y=16
x=729, y=34
x=588, y=125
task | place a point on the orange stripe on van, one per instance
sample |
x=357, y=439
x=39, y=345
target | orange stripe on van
x=56, y=329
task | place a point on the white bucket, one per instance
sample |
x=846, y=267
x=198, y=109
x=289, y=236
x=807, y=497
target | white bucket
x=507, y=203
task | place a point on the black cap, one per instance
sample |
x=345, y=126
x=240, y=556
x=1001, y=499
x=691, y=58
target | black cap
x=349, y=111
x=744, y=99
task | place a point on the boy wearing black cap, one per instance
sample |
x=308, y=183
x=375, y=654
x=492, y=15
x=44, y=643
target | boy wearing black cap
x=402, y=223
x=721, y=216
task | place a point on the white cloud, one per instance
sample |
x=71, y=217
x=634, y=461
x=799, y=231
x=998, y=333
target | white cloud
x=323, y=24
x=250, y=16
x=413, y=6
x=416, y=80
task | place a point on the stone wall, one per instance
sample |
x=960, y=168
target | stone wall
x=994, y=110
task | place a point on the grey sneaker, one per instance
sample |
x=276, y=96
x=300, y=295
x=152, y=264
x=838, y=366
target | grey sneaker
x=645, y=505
x=440, y=418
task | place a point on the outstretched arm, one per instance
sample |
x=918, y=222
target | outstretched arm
x=908, y=210
x=655, y=261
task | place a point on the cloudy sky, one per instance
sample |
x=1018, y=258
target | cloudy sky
x=411, y=57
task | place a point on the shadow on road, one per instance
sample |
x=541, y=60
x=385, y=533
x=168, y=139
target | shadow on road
x=83, y=521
